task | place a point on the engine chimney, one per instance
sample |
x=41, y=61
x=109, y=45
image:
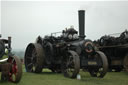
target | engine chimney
x=81, y=23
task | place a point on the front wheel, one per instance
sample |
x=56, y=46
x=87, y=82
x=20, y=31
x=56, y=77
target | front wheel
x=72, y=65
x=16, y=69
x=102, y=70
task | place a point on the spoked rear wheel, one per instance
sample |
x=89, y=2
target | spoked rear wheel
x=34, y=57
x=16, y=69
x=72, y=65
x=100, y=71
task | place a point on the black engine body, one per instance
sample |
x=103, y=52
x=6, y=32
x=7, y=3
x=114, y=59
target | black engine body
x=116, y=49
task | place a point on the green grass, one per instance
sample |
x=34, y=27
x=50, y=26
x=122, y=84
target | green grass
x=49, y=78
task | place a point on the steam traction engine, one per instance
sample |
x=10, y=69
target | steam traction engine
x=116, y=49
x=67, y=53
x=10, y=65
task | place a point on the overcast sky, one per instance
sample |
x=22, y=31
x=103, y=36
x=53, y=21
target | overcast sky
x=25, y=20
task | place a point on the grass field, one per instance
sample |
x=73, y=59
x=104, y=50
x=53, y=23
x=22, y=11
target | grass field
x=49, y=78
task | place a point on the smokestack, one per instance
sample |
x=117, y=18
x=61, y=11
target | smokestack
x=9, y=43
x=81, y=23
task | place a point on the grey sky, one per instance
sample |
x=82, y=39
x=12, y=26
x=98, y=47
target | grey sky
x=25, y=20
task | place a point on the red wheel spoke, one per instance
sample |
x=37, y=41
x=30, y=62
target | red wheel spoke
x=14, y=70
